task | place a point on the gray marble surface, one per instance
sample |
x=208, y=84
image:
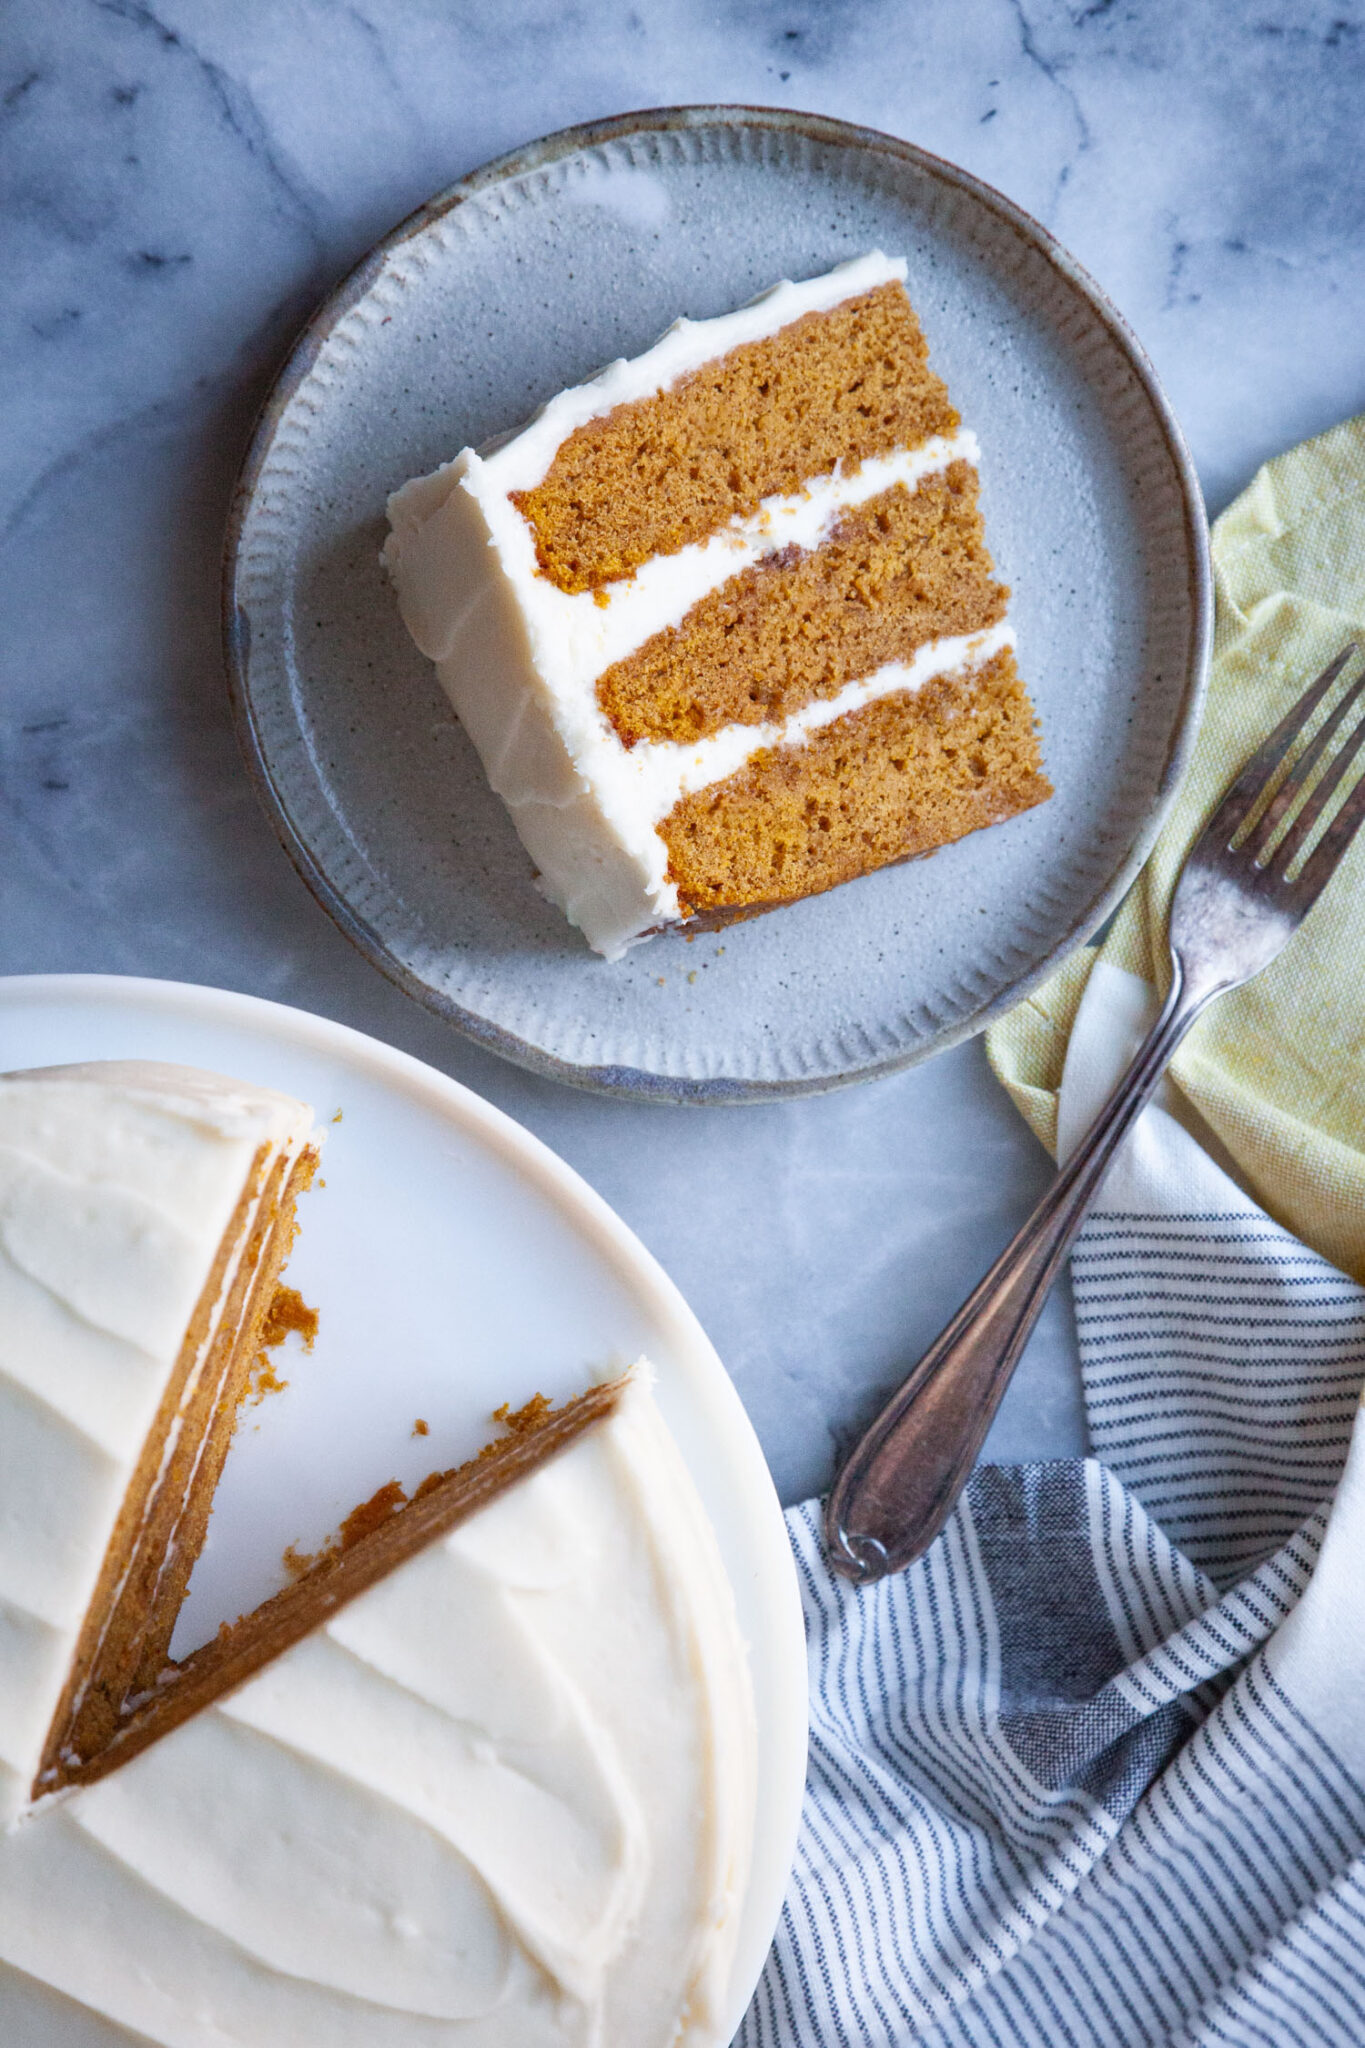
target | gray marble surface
x=182, y=182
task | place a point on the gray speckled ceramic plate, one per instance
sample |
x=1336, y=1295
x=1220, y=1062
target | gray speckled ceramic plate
x=523, y=279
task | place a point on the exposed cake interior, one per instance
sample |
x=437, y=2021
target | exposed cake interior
x=124, y=1645
x=677, y=594
x=145, y=1212
x=376, y=1538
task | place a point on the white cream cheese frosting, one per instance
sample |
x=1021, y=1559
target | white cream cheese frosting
x=504, y=1799
x=118, y=1180
x=519, y=658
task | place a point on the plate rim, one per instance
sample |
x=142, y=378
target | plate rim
x=785, y=1744
x=619, y=1079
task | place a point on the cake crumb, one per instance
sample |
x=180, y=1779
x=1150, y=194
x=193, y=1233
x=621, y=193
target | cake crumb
x=519, y=1421
x=693, y=975
x=371, y=1513
x=289, y=1311
x=262, y=1380
x=337, y=1118
x=659, y=981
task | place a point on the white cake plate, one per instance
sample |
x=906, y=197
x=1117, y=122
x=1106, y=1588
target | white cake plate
x=456, y=1264
x=525, y=278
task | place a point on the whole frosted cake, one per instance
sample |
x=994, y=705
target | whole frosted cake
x=482, y=1776
x=722, y=623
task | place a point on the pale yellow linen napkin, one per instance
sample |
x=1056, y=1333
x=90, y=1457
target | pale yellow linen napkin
x=1277, y=1069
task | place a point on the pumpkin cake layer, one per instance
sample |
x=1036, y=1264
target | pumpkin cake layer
x=663, y=472
x=145, y=1211
x=899, y=571
x=903, y=775
x=646, y=604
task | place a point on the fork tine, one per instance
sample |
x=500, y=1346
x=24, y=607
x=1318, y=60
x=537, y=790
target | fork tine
x=1300, y=831
x=1339, y=834
x=1272, y=750
x=1296, y=781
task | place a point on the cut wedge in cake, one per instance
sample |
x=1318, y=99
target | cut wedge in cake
x=482, y=1775
x=484, y=1779
x=381, y=1534
x=722, y=623
x=145, y=1212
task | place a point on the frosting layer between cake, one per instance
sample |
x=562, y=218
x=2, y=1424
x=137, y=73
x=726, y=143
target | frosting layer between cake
x=118, y=1184
x=504, y=1799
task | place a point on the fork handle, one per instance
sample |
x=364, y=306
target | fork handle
x=903, y=1477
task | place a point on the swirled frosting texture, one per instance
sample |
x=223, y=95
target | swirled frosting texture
x=118, y=1180
x=502, y=1800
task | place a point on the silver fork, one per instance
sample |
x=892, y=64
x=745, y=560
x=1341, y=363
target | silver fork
x=1235, y=907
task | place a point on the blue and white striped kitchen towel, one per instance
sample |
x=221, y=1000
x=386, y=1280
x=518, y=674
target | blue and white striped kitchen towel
x=1092, y=1772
